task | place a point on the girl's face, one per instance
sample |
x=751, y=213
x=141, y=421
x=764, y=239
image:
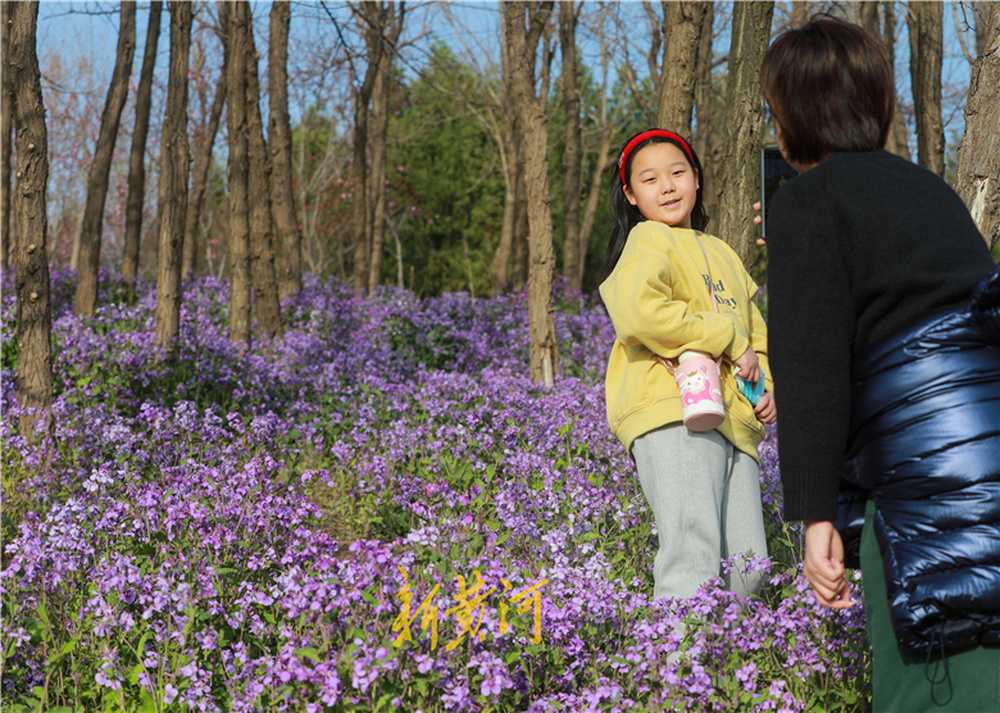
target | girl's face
x=662, y=184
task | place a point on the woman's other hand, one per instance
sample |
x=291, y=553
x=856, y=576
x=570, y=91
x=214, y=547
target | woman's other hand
x=766, y=410
x=749, y=366
x=824, y=565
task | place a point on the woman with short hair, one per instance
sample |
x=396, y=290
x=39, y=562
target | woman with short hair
x=877, y=266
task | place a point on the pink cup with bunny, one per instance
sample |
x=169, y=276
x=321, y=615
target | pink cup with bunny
x=701, y=394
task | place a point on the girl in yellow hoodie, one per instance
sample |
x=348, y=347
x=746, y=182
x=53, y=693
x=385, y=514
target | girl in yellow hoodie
x=703, y=488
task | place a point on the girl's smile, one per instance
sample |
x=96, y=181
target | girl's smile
x=663, y=185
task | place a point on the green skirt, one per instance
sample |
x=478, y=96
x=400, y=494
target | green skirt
x=968, y=681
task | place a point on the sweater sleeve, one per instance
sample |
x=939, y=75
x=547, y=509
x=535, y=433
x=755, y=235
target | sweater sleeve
x=811, y=332
x=641, y=303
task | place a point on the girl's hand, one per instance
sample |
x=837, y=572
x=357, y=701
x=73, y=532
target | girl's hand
x=749, y=366
x=766, y=410
x=824, y=565
x=757, y=220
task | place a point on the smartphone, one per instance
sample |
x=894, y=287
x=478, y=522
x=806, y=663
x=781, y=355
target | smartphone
x=774, y=172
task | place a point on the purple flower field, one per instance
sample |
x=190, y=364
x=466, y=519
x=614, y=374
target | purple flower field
x=379, y=513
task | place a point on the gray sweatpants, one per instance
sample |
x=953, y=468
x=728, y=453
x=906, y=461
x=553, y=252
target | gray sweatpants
x=705, y=497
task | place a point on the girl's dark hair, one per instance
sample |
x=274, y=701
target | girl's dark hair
x=626, y=215
x=830, y=87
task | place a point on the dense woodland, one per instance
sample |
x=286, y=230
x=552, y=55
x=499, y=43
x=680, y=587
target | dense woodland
x=257, y=142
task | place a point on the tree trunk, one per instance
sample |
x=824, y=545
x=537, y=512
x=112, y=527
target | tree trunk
x=602, y=162
x=505, y=250
x=235, y=16
x=381, y=95
x=370, y=15
x=265, y=283
x=199, y=180
x=33, y=378
x=738, y=182
x=896, y=142
x=706, y=103
x=522, y=226
x=985, y=21
x=977, y=176
x=925, y=21
x=97, y=180
x=174, y=165
x=683, y=23
x=506, y=247
x=573, y=251
x=137, y=157
x=543, y=351
x=7, y=129
x=279, y=136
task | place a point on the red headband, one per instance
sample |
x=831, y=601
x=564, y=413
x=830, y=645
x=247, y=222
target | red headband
x=648, y=135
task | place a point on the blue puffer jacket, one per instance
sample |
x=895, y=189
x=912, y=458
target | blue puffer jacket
x=926, y=445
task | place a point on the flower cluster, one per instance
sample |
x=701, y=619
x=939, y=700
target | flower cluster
x=216, y=530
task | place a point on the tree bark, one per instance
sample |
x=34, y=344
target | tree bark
x=977, y=175
x=33, y=378
x=235, y=16
x=97, y=179
x=574, y=253
x=369, y=14
x=738, y=186
x=543, y=350
x=174, y=165
x=286, y=224
x=7, y=129
x=926, y=22
x=392, y=26
x=265, y=283
x=137, y=157
x=505, y=250
x=706, y=102
x=683, y=23
x=985, y=21
x=522, y=227
x=602, y=162
x=199, y=180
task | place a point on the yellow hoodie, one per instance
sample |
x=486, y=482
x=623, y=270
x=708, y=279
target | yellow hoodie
x=658, y=300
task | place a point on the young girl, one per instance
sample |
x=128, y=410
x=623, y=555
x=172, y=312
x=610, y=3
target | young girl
x=702, y=487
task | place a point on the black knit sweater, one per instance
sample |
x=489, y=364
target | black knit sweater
x=858, y=247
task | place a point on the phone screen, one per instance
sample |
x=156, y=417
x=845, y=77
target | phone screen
x=774, y=172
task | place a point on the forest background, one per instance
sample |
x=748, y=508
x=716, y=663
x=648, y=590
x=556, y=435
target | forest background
x=445, y=160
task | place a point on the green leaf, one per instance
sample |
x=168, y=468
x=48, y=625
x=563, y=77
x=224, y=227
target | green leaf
x=133, y=675
x=141, y=646
x=68, y=647
x=146, y=702
x=367, y=596
x=308, y=653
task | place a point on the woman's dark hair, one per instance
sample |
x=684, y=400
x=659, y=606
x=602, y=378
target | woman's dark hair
x=830, y=89
x=626, y=215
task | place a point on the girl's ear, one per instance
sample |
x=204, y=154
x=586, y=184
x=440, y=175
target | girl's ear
x=629, y=194
x=697, y=180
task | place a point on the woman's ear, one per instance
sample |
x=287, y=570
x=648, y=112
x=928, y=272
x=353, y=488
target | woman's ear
x=628, y=194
